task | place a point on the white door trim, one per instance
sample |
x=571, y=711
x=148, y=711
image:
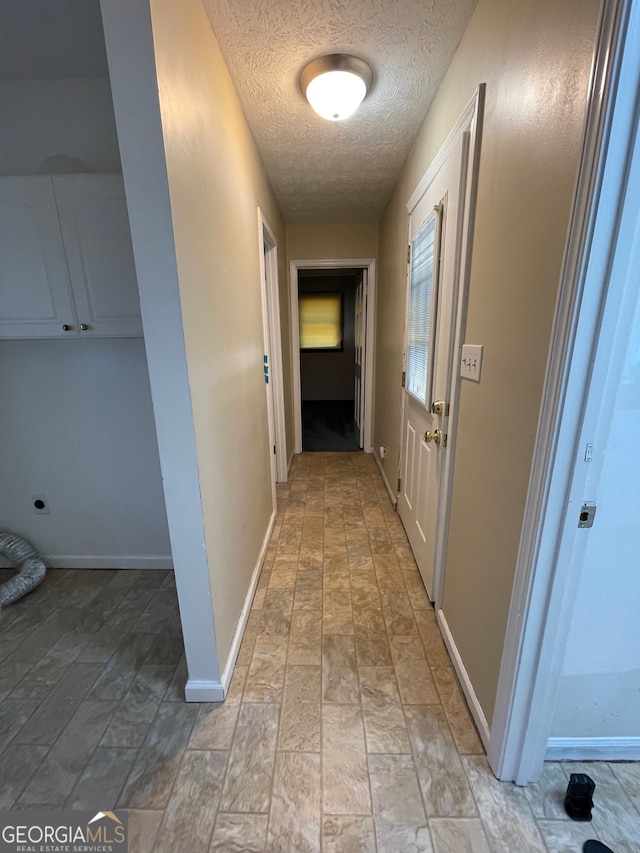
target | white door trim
x=470, y=124
x=331, y=264
x=545, y=581
x=271, y=319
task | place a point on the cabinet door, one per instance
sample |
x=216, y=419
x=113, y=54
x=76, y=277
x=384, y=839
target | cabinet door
x=97, y=241
x=35, y=298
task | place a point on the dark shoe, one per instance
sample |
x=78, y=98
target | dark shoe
x=579, y=800
x=595, y=847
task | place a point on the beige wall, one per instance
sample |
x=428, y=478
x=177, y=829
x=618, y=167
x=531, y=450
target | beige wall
x=535, y=58
x=216, y=183
x=318, y=242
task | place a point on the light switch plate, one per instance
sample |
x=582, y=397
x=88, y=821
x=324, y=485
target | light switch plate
x=471, y=362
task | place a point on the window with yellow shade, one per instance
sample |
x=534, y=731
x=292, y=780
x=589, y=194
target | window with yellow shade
x=320, y=321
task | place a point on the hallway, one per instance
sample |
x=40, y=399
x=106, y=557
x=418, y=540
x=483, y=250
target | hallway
x=344, y=730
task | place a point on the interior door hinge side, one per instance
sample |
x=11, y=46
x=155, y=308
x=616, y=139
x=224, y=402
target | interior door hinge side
x=404, y=378
x=409, y=253
x=399, y=483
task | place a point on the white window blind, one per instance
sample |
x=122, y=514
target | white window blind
x=422, y=304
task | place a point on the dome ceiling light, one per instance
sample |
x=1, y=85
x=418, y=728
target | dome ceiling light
x=335, y=85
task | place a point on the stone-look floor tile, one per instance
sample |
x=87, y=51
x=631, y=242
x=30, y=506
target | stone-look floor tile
x=546, y=797
x=337, y=577
x=416, y=590
x=565, y=836
x=384, y=723
x=19, y=762
x=412, y=671
x=388, y=572
x=214, y=726
x=397, y=612
x=364, y=589
x=348, y=835
x=250, y=773
x=121, y=670
x=236, y=688
x=166, y=650
x=397, y=806
x=239, y=833
x=300, y=714
x=51, y=717
x=368, y=618
x=458, y=716
x=14, y=713
x=276, y=613
x=305, y=639
x=443, y=782
x=506, y=816
x=434, y=646
x=67, y=758
x=283, y=574
x=266, y=672
x=150, y=782
x=628, y=774
x=131, y=722
x=294, y=821
x=143, y=830
x=175, y=690
x=339, y=669
x=615, y=820
x=345, y=784
x=190, y=812
x=373, y=649
x=337, y=612
x=251, y=631
x=458, y=835
x=102, y=780
x=360, y=563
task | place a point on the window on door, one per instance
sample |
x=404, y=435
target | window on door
x=422, y=303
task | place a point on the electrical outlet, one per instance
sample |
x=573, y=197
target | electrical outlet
x=471, y=362
x=40, y=505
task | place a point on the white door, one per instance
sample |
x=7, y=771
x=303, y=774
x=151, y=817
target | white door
x=360, y=338
x=433, y=281
x=35, y=298
x=97, y=239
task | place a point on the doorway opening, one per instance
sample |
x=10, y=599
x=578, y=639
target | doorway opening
x=332, y=334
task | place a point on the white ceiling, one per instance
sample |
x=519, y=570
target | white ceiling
x=336, y=171
x=51, y=39
x=321, y=171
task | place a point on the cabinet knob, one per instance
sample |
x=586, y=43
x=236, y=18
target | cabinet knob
x=67, y=328
x=83, y=327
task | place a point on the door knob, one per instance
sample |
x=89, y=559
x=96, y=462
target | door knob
x=433, y=436
x=83, y=327
x=67, y=328
x=438, y=437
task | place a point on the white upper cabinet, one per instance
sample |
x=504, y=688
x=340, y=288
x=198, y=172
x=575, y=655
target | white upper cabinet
x=66, y=262
x=35, y=299
x=97, y=242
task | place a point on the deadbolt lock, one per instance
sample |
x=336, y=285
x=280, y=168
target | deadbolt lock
x=439, y=407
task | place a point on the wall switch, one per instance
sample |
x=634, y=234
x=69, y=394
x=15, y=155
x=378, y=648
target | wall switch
x=471, y=362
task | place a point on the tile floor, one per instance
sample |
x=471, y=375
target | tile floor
x=344, y=730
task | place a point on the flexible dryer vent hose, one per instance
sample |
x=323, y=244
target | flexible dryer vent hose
x=25, y=560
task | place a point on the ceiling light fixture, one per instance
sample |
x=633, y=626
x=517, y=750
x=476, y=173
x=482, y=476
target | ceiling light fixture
x=335, y=85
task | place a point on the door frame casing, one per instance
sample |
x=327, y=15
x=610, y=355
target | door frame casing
x=469, y=123
x=273, y=336
x=369, y=265
x=546, y=578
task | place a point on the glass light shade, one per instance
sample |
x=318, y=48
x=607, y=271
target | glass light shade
x=336, y=95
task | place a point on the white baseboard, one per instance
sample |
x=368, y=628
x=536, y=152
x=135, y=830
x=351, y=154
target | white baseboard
x=393, y=498
x=227, y=672
x=114, y=562
x=204, y=691
x=463, y=676
x=593, y=749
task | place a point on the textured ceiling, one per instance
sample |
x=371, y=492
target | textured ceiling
x=336, y=171
x=51, y=39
